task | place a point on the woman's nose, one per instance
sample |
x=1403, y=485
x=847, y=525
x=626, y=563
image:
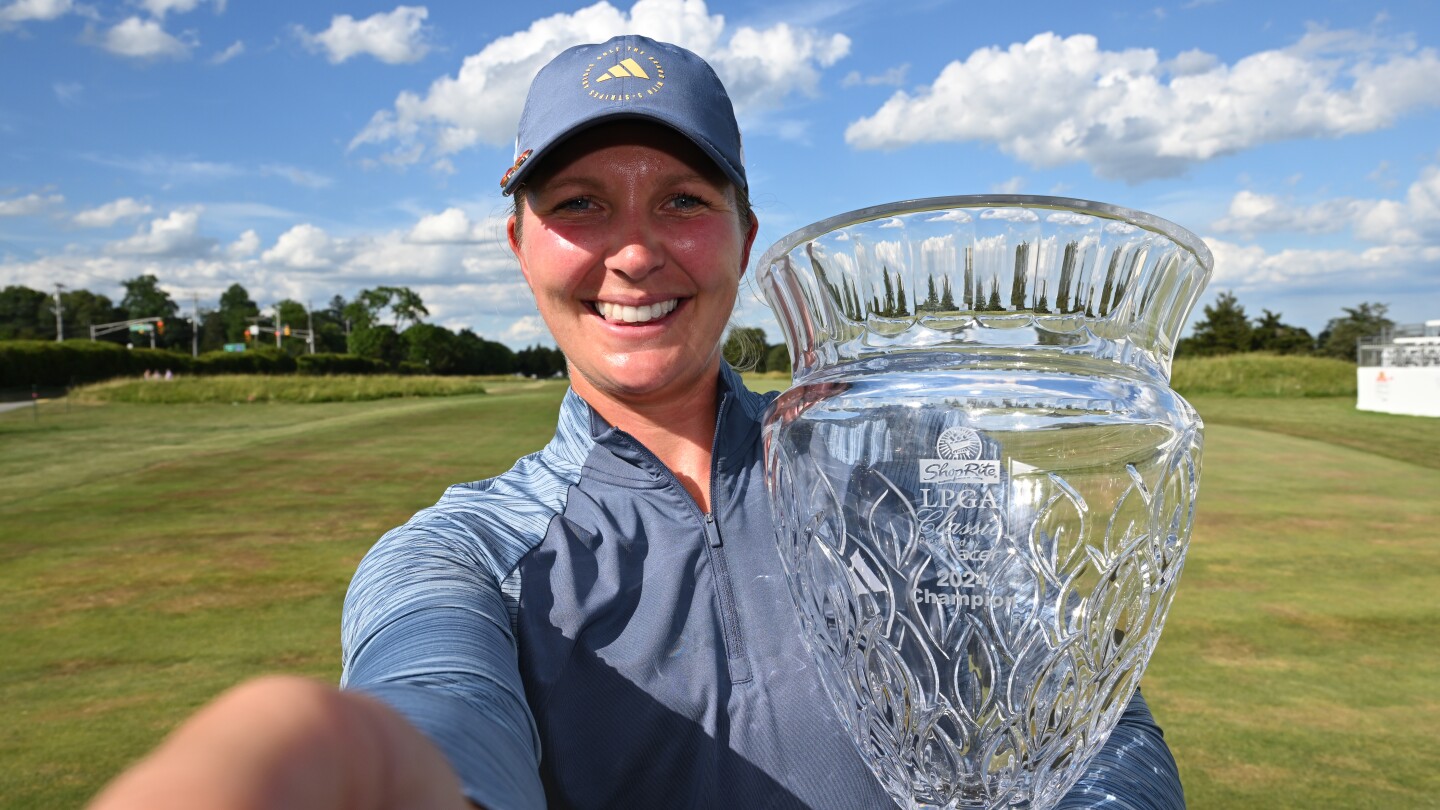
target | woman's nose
x=637, y=250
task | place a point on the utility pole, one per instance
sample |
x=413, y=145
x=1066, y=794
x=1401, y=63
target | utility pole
x=195, y=325
x=278, y=326
x=59, y=316
x=310, y=325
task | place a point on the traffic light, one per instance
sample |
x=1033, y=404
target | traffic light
x=287, y=330
x=160, y=326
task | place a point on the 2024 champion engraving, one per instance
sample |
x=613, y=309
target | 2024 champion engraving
x=983, y=506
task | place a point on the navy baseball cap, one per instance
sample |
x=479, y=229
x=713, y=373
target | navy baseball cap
x=628, y=77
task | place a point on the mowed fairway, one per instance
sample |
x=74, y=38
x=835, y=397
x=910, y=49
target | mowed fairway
x=151, y=556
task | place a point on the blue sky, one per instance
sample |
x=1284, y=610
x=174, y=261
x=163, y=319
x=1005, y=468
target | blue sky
x=305, y=150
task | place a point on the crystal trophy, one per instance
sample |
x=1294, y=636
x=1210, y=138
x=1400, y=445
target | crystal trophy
x=982, y=483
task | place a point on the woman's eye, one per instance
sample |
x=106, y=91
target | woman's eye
x=577, y=204
x=686, y=202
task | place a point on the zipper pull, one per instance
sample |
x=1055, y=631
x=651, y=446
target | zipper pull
x=712, y=531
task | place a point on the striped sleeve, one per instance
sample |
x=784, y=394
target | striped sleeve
x=1134, y=771
x=426, y=627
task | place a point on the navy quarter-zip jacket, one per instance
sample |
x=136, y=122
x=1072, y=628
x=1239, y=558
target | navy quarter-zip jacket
x=576, y=633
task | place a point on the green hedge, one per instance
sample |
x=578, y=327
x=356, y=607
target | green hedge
x=329, y=365
x=51, y=364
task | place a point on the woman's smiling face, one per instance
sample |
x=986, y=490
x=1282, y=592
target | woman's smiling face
x=633, y=247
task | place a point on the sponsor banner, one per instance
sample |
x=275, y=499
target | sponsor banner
x=1411, y=390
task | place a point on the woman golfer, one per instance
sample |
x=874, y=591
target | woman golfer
x=607, y=624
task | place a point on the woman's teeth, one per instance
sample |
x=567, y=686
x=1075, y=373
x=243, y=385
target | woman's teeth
x=641, y=314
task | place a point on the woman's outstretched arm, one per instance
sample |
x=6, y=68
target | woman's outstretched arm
x=286, y=742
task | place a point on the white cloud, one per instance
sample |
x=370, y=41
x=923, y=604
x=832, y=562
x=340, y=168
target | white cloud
x=472, y=284
x=1363, y=271
x=245, y=246
x=1014, y=185
x=159, y=8
x=177, y=234
x=169, y=169
x=1411, y=221
x=67, y=93
x=451, y=226
x=395, y=37
x=112, y=212
x=296, y=175
x=236, y=48
x=304, y=247
x=38, y=10
x=894, y=77
x=144, y=39
x=1057, y=100
x=526, y=329
x=482, y=102
x=1399, y=241
x=28, y=206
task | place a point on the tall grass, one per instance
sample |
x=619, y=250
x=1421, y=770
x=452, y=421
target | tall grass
x=244, y=388
x=1264, y=375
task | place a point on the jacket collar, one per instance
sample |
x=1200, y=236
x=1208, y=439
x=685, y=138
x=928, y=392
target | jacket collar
x=740, y=411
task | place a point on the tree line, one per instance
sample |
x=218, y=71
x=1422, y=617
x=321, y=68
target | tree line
x=1225, y=328
x=385, y=324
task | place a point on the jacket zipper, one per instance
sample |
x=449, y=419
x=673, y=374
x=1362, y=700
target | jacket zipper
x=729, y=618
x=714, y=546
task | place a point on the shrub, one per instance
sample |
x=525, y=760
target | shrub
x=328, y=365
x=252, y=361
x=52, y=364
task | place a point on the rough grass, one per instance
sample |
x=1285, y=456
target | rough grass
x=250, y=388
x=1255, y=374
x=151, y=557
x=1264, y=375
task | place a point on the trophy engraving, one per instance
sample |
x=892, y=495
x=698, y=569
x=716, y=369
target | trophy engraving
x=983, y=502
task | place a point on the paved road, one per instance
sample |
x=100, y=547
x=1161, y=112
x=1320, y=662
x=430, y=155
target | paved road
x=10, y=406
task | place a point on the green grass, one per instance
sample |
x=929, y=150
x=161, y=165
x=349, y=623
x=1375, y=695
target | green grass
x=1264, y=375
x=152, y=556
x=249, y=388
x=1299, y=665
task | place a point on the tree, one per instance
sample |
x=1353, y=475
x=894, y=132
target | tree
x=947, y=300
x=405, y=305
x=1342, y=334
x=434, y=347
x=292, y=314
x=1270, y=334
x=778, y=358
x=381, y=343
x=540, y=361
x=1223, y=330
x=481, y=356
x=213, y=329
x=83, y=309
x=364, y=311
x=20, y=309
x=144, y=299
x=932, y=299
x=236, y=310
x=745, y=348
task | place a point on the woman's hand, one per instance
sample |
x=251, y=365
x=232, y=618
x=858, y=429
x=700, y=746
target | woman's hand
x=288, y=742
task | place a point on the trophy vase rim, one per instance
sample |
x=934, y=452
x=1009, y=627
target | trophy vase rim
x=1175, y=233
